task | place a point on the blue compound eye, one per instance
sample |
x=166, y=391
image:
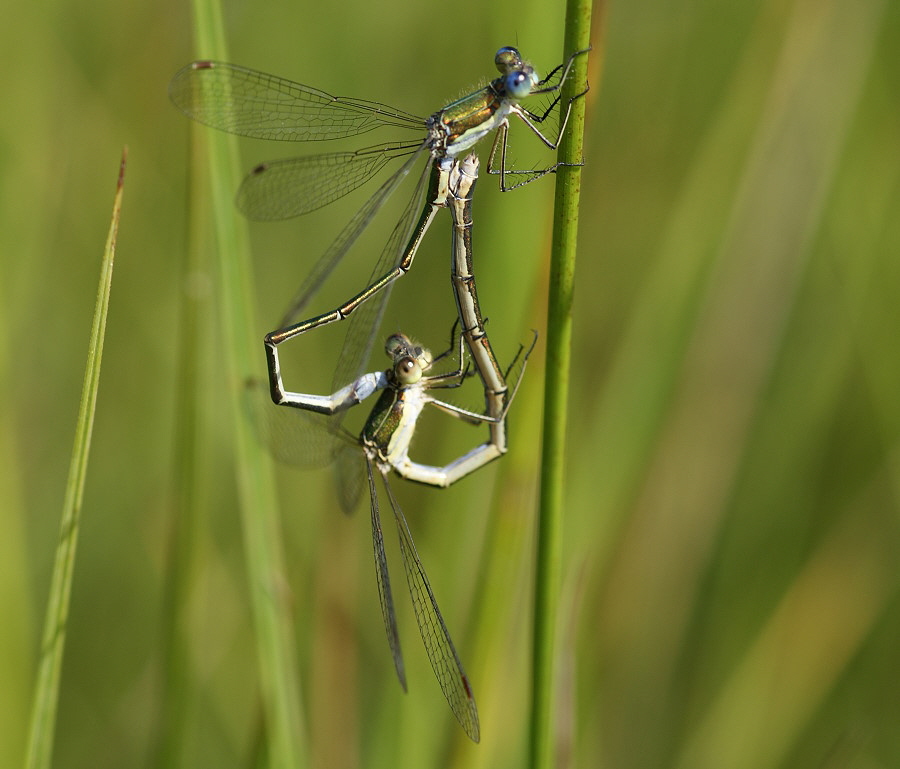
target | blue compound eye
x=518, y=85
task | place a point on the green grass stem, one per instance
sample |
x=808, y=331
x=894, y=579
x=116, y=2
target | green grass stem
x=273, y=620
x=46, y=695
x=556, y=394
x=192, y=476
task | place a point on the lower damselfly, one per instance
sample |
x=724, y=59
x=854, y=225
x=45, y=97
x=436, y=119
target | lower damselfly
x=382, y=447
x=254, y=104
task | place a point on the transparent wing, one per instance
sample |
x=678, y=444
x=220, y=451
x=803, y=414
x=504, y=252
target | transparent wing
x=282, y=189
x=349, y=476
x=441, y=653
x=384, y=581
x=249, y=103
x=293, y=436
x=342, y=243
x=364, y=323
x=306, y=439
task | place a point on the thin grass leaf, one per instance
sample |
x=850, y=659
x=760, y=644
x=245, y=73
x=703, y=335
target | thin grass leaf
x=556, y=393
x=192, y=479
x=273, y=621
x=46, y=697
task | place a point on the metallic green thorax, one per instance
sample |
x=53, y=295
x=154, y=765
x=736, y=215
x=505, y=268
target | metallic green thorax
x=471, y=118
x=384, y=420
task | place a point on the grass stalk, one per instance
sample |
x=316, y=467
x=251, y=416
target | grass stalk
x=191, y=472
x=46, y=698
x=548, y=565
x=273, y=621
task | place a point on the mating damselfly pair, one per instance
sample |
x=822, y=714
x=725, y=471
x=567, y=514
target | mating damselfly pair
x=254, y=104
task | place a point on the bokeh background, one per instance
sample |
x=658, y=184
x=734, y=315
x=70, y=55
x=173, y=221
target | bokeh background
x=731, y=539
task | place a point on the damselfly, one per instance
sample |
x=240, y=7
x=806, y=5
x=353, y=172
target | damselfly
x=254, y=104
x=383, y=446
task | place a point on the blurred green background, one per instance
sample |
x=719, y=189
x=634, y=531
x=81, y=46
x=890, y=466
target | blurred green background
x=731, y=570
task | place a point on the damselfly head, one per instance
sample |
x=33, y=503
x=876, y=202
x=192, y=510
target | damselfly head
x=519, y=77
x=410, y=359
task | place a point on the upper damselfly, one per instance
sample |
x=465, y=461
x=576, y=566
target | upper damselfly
x=258, y=105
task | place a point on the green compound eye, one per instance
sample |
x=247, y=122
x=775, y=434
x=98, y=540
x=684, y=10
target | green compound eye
x=507, y=59
x=407, y=371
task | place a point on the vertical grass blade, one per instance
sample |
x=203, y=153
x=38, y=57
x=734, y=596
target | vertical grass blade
x=276, y=650
x=46, y=696
x=192, y=478
x=559, y=334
